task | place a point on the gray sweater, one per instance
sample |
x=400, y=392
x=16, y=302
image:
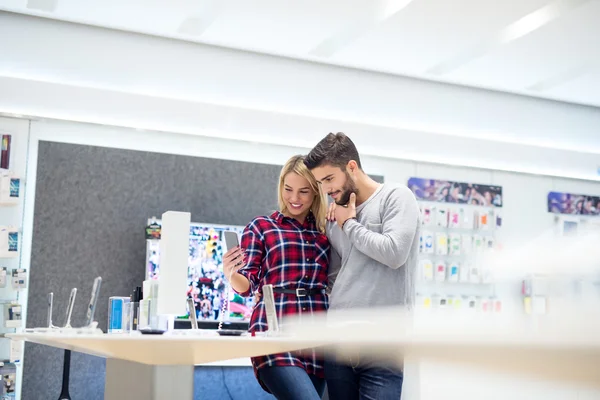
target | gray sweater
x=373, y=260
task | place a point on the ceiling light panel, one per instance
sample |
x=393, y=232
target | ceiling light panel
x=515, y=30
x=585, y=85
x=283, y=27
x=559, y=50
x=429, y=31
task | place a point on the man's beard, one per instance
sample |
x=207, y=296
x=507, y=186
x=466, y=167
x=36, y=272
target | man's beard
x=347, y=190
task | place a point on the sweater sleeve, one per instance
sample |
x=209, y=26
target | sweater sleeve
x=389, y=244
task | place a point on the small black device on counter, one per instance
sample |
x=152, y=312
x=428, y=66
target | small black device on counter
x=135, y=307
x=148, y=331
x=230, y=332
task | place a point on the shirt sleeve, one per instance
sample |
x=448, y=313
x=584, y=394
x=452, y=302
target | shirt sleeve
x=253, y=244
x=390, y=243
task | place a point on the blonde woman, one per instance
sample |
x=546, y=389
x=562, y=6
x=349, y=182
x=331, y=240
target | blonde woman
x=289, y=250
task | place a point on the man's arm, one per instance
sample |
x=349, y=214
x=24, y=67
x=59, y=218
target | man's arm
x=398, y=227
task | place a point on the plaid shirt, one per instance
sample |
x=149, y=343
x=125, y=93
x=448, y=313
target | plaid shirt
x=288, y=255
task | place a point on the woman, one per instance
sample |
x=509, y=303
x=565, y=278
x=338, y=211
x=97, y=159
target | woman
x=289, y=250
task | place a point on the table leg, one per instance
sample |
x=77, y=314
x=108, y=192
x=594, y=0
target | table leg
x=133, y=381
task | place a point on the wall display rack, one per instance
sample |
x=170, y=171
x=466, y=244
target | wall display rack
x=14, y=137
x=459, y=222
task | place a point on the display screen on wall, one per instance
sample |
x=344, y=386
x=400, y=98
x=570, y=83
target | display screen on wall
x=573, y=204
x=456, y=192
x=207, y=284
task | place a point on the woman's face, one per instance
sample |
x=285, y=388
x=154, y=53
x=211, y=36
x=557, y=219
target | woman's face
x=297, y=194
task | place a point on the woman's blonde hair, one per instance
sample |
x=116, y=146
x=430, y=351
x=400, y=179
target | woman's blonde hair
x=319, y=205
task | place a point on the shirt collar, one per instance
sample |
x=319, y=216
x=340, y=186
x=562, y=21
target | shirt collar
x=309, y=222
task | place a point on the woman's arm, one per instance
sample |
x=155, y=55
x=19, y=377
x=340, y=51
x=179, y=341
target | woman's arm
x=233, y=260
x=249, y=261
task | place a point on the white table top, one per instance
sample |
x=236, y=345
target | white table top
x=565, y=349
x=167, y=349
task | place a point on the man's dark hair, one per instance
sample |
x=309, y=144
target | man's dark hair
x=335, y=149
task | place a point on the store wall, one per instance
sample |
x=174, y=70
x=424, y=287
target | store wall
x=524, y=215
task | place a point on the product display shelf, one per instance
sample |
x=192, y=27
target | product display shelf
x=13, y=274
x=452, y=271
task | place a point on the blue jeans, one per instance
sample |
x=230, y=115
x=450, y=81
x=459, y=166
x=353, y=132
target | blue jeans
x=292, y=383
x=345, y=382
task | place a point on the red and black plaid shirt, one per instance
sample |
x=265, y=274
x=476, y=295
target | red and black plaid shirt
x=288, y=255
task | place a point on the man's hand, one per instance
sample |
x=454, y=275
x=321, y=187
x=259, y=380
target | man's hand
x=341, y=214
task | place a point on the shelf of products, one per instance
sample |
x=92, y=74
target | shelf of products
x=453, y=245
x=13, y=276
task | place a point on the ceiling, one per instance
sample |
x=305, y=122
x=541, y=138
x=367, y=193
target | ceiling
x=539, y=48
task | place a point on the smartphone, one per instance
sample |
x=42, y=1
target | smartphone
x=93, y=301
x=231, y=239
x=70, y=307
x=192, y=311
x=50, y=305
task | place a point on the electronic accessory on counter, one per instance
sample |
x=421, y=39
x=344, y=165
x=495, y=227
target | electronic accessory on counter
x=93, y=301
x=118, y=314
x=269, y=300
x=230, y=332
x=134, y=308
x=70, y=307
x=150, y=331
x=50, y=305
x=192, y=311
x=231, y=241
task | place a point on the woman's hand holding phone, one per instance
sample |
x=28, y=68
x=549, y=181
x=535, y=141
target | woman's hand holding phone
x=233, y=260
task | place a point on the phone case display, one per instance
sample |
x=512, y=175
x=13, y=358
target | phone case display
x=14, y=144
x=441, y=243
x=427, y=240
x=455, y=244
x=9, y=378
x=10, y=188
x=427, y=269
x=459, y=223
x=207, y=284
x=9, y=242
x=480, y=304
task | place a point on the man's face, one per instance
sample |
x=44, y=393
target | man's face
x=336, y=182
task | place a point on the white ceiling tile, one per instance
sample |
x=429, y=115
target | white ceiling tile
x=429, y=31
x=561, y=45
x=586, y=86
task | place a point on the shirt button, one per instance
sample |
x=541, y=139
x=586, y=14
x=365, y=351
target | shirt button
x=307, y=242
x=304, y=309
x=308, y=259
x=306, y=276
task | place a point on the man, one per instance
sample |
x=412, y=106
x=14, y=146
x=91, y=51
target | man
x=374, y=229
